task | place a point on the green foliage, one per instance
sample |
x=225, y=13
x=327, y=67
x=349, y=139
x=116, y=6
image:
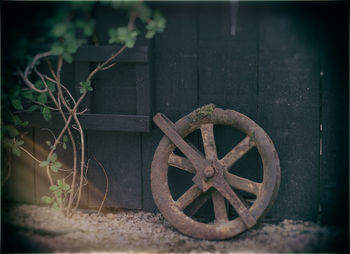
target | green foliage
x=69, y=35
x=46, y=113
x=17, y=104
x=123, y=35
x=51, y=86
x=51, y=161
x=65, y=140
x=66, y=28
x=42, y=98
x=124, y=4
x=47, y=200
x=156, y=25
x=60, y=191
x=85, y=86
x=32, y=108
x=27, y=94
x=143, y=12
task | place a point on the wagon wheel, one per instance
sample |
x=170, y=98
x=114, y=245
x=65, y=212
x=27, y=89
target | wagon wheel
x=211, y=176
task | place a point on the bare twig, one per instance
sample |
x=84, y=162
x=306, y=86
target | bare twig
x=132, y=20
x=101, y=66
x=106, y=191
x=64, y=88
x=109, y=66
x=28, y=70
x=51, y=132
x=82, y=144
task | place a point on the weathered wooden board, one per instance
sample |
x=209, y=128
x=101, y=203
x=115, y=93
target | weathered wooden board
x=227, y=71
x=120, y=155
x=174, y=70
x=334, y=170
x=289, y=107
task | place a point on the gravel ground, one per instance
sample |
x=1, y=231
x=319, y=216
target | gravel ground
x=46, y=230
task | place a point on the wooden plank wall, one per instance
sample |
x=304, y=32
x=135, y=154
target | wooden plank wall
x=283, y=68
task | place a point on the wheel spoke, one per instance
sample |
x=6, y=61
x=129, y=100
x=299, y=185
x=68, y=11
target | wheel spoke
x=181, y=163
x=237, y=152
x=237, y=204
x=243, y=184
x=219, y=206
x=188, y=197
x=198, y=203
x=207, y=131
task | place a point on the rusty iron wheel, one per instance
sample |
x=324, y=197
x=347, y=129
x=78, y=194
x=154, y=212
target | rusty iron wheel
x=211, y=176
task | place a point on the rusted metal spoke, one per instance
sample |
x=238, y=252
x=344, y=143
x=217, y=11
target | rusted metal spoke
x=237, y=152
x=207, y=131
x=181, y=163
x=168, y=128
x=219, y=207
x=243, y=184
x=188, y=197
x=193, y=208
x=237, y=204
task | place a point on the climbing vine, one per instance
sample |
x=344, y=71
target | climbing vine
x=34, y=89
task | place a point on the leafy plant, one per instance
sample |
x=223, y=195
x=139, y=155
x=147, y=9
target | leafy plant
x=67, y=30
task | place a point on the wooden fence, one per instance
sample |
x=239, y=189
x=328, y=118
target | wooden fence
x=284, y=65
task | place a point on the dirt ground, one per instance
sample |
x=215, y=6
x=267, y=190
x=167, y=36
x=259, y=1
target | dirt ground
x=30, y=228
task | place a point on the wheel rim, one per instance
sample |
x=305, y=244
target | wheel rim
x=265, y=192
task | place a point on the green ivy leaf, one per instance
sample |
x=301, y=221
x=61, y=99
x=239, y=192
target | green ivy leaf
x=57, y=49
x=59, y=182
x=123, y=35
x=53, y=157
x=17, y=121
x=27, y=94
x=48, y=142
x=19, y=142
x=16, y=151
x=64, y=146
x=44, y=164
x=51, y=86
x=150, y=34
x=55, y=206
x=42, y=98
x=88, y=28
x=55, y=166
x=67, y=57
x=24, y=124
x=65, y=138
x=144, y=12
x=156, y=25
x=59, y=194
x=33, y=108
x=17, y=104
x=85, y=86
x=39, y=84
x=46, y=199
x=59, y=29
x=65, y=187
x=46, y=113
x=12, y=131
x=53, y=188
x=123, y=4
